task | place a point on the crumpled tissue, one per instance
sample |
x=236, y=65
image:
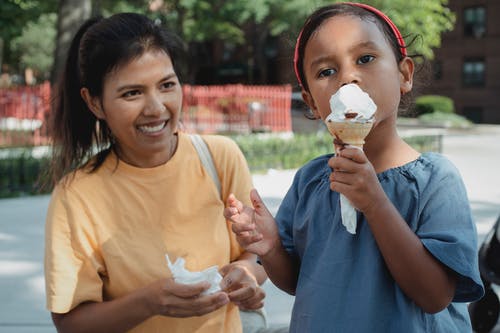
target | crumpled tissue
x=182, y=275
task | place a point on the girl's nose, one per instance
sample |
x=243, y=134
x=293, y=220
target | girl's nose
x=155, y=106
x=349, y=75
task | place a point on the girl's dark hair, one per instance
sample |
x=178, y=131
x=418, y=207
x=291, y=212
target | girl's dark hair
x=100, y=46
x=322, y=14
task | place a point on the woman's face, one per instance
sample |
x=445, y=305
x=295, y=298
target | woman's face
x=141, y=104
x=346, y=49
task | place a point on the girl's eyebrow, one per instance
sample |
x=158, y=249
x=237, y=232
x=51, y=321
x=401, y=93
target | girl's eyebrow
x=363, y=44
x=137, y=86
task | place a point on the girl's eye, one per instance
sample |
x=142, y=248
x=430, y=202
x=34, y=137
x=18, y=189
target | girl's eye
x=366, y=59
x=327, y=72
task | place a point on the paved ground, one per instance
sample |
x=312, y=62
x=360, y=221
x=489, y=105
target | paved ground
x=476, y=154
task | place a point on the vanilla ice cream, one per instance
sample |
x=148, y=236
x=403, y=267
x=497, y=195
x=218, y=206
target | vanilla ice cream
x=352, y=114
x=350, y=121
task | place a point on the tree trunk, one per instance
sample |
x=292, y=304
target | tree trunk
x=71, y=14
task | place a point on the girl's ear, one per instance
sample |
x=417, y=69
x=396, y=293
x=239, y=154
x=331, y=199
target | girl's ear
x=406, y=69
x=93, y=103
x=306, y=96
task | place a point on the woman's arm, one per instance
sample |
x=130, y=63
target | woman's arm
x=163, y=297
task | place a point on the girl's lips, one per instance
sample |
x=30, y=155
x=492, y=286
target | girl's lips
x=152, y=127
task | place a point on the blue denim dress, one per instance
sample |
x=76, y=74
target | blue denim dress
x=344, y=284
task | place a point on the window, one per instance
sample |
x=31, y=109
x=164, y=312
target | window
x=473, y=72
x=475, y=21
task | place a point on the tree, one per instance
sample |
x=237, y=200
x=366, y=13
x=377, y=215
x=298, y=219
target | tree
x=425, y=18
x=35, y=46
x=252, y=24
x=71, y=15
x=14, y=15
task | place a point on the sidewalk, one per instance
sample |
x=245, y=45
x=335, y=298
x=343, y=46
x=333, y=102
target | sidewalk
x=22, y=310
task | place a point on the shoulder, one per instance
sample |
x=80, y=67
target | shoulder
x=428, y=175
x=223, y=149
x=219, y=143
x=313, y=172
x=316, y=166
x=427, y=167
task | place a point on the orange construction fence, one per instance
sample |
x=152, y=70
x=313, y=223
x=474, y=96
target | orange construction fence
x=206, y=109
x=23, y=115
x=237, y=109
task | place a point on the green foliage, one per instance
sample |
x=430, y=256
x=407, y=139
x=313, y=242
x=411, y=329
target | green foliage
x=448, y=120
x=265, y=152
x=427, y=18
x=276, y=152
x=20, y=173
x=35, y=46
x=433, y=103
x=15, y=14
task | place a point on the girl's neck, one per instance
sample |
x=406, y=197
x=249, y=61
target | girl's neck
x=385, y=149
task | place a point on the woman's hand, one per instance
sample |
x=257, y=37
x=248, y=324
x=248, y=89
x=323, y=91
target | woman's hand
x=242, y=287
x=354, y=176
x=255, y=228
x=172, y=299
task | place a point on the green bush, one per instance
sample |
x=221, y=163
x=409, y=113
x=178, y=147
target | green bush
x=449, y=120
x=433, y=103
x=21, y=173
x=274, y=152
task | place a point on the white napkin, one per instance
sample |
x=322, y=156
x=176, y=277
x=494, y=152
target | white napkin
x=348, y=213
x=182, y=275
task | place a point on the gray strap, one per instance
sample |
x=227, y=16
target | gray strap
x=206, y=158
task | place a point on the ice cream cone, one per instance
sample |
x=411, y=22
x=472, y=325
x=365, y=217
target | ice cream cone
x=350, y=132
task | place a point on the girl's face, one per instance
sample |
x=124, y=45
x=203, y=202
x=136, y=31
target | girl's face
x=346, y=49
x=141, y=104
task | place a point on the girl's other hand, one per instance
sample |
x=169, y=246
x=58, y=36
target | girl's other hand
x=354, y=176
x=168, y=298
x=255, y=228
x=242, y=287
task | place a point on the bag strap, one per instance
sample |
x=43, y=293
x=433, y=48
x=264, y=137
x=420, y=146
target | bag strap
x=206, y=159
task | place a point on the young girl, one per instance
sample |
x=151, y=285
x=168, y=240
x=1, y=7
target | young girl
x=113, y=216
x=412, y=263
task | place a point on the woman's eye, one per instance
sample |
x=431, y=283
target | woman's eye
x=167, y=85
x=365, y=59
x=327, y=72
x=131, y=93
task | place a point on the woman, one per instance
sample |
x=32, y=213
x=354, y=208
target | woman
x=131, y=189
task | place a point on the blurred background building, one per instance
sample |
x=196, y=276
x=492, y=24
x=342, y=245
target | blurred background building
x=467, y=65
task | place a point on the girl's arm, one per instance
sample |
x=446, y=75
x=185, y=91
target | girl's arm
x=420, y=275
x=424, y=279
x=257, y=232
x=163, y=297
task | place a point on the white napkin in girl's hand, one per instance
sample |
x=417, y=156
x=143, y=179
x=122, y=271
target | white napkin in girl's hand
x=182, y=275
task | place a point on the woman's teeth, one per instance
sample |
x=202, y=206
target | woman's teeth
x=152, y=129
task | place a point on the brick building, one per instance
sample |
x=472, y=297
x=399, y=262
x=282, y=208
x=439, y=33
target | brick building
x=467, y=66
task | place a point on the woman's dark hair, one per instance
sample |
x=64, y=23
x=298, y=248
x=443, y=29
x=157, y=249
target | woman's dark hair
x=318, y=17
x=100, y=46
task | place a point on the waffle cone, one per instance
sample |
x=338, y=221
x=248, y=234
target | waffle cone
x=352, y=133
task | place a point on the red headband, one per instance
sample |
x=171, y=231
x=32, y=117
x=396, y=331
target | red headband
x=377, y=12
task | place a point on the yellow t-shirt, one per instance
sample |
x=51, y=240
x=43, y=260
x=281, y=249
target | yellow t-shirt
x=107, y=232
